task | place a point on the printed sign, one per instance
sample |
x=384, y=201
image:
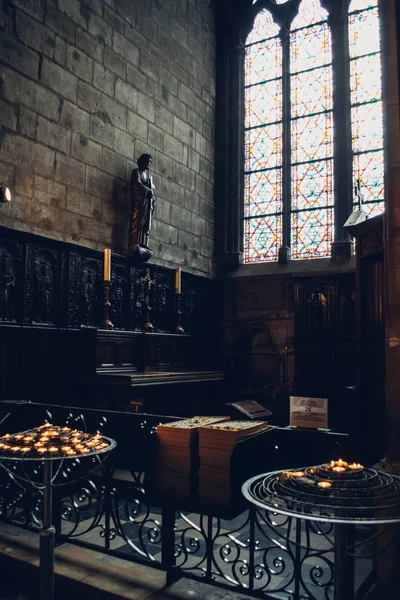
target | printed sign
x=309, y=412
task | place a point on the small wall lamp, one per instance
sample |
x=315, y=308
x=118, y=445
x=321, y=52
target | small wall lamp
x=5, y=194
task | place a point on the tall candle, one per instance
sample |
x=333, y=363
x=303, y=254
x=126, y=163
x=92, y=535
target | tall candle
x=178, y=280
x=107, y=264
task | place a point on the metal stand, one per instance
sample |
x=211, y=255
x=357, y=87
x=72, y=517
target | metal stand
x=344, y=563
x=47, y=533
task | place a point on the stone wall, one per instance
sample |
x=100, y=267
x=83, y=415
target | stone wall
x=86, y=86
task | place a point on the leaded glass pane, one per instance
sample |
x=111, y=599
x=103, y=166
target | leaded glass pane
x=263, y=237
x=312, y=138
x=312, y=185
x=364, y=32
x=263, y=61
x=367, y=127
x=311, y=92
x=263, y=193
x=369, y=168
x=263, y=147
x=263, y=103
x=365, y=78
x=263, y=28
x=312, y=233
x=310, y=13
x=310, y=48
x=362, y=4
x=367, y=109
x=263, y=140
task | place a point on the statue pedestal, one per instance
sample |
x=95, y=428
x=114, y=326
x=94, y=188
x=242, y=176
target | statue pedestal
x=141, y=254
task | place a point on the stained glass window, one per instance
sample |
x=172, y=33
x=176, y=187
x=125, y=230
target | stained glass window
x=263, y=133
x=366, y=102
x=289, y=120
x=311, y=133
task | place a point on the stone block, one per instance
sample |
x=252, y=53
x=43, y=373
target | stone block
x=115, y=62
x=169, y=81
x=173, y=147
x=94, y=5
x=210, y=229
x=74, y=118
x=178, y=32
x=157, y=92
x=177, y=107
x=165, y=120
x=53, y=135
x=50, y=187
x=89, y=44
x=117, y=112
x=113, y=163
x=149, y=66
x=113, y=19
x=188, y=241
x=59, y=80
x=185, y=177
x=136, y=37
x=126, y=94
x=198, y=224
x=146, y=107
x=27, y=122
x=19, y=56
x=172, y=191
x=192, y=201
x=127, y=10
x=206, y=246
x=201, y=144
x=69, y=171
x=156, y=137
x=7, y=174
x=103, y=79
x=163, y=210
x=137, y=78
x=207, y=210
x=122, y=46
x=86, y=150
x=33, y=34
x=24, y=182
x=123, y=143
x=186, y=94
x=89, y=98
x=137, y=126
x=59, y=23
x=180, y=217
x=17, y=89
x=98, y=183
x=101, y=130
x=193, y=160
x=163, y=231
x=8, y=118
x=79, y=63
x=198, y=262
x=159, y=56
x=168, y=253
x=183, y=131
x=27, y=154
x=80, y=202
x=32, y=7
x=60, y=51
x=73, y=9
x=101, y=30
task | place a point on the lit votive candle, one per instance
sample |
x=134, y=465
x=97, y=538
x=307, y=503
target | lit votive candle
x=42, y=450
x=65, y=448
x=53, y=449
x=297, y=474
x=356, y=467
x=324, y=484
x=18, y=436
x=26, y=449
x=15, y=448
x=339, y=469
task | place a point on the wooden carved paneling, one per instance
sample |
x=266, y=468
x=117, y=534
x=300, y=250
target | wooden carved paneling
x=11, y=282
x=91, y=297
x=137, y=299
x=163, y=303
x=73, y=289
x=42, y=286
x=120, y=296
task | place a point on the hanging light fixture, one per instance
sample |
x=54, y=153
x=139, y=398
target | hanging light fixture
x=5, y=194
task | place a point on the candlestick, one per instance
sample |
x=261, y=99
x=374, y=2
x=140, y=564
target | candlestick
x=107, y=304
x=107, y=264
x=178, y=280
x=324, y=484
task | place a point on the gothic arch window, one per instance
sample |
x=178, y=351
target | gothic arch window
x=313, y=124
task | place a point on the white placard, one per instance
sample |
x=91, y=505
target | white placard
x=309, y=412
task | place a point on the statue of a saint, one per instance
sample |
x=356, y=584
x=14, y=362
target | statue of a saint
x=143, y=203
